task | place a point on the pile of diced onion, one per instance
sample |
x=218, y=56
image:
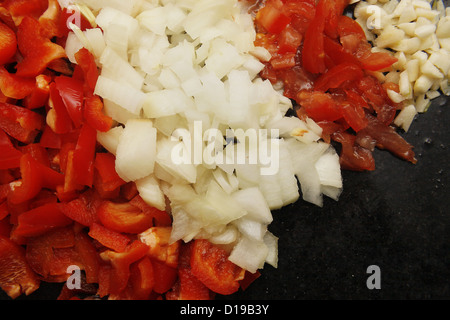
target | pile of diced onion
x=167, y=66
x=418, y=32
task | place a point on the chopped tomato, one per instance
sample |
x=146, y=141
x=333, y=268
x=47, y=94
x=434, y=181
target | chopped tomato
x=272, y=18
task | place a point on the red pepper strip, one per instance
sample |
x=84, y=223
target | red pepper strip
x=121, y=262
x=71, y=92
x=82, y=209
x=142, y=279
x=20, y=123
x=211, y=266
x=106, y=180
x=16, y=277
x=83, y=156
x=109, y=238
x=40, y=220
x=86, y=61
x=14, y=86
x=49, y=139
x=37, y=50
x=39, y=96
x=9, y=155
x=8, y=43
x=124, y=217
x=337, y=75
x=189, y=287
x=88, y=255
x=19, y=8
x=57, y=117
x=31, y=182
x=165, y=276
x=161, y=218
x=158, y=239
x=93, y=113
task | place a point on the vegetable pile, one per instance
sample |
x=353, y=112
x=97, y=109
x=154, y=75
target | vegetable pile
x=146, y=143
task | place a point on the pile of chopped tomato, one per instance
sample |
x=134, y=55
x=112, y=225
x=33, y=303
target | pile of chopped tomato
x=62, y=204
x=327, y=67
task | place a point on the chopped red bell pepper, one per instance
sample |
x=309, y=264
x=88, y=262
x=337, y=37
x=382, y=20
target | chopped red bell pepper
x=165, y=276
x=111, y=239
x=83, y=209
x=40, y=220
x=16, y=277
x=21, y=8
x=37, y=50
x=49, y=139
x=142, y=279
x=58, y=117
x=88, y=256
x=20, y=123
x=211, y=266
x=30, y=183
x=9, y=155
x=14, y=86
x=71, y=92
x=158, y=240
x=8, y=44
x=121, y=263
x=94, y=115
x=40, y=94
x=84, y=155
x=124, y=217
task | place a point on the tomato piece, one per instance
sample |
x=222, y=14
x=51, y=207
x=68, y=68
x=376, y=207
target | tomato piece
x=353, y=157
x=337, y=53
x=377, y=61
x=94, y=115
x=347, y=25
x=289, y=40
x=109, y=238
x=37, y=50
x=71, y=92
x=8, y=44
x=337, y=75
x=295, y=80
x=354, y=116
x=387, y=138
x=313, y=52
x=272, y=18
x=283, y=62
x=211, y=266
x=9, y=155
x=319, y=106
x=16, y=276
x=124, y=217
x=40, y=220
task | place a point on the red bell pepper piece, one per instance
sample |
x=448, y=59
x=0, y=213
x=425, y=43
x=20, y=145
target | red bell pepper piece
x=161, y=218
x=109, y=238
x=14, y=86
x=20, y=123
x=49, y=139
x=8, y=43
x=124, y=217
x=71, y=92
x=83, y=156
x=16, y=277
x=30, y=183
x=9, y=155
x=142, y=279
x=158, y=239
x=106, y=177
x=57, y=117
x=121, y=262
x=83, y=209
x=20, y=8
x=40, y=220
x=165, y=276
x=37, y=50
x=211, y=266
x=40, y=94
x=94, y=115
x=88, y=255
x=190, y=287
x=86, y=60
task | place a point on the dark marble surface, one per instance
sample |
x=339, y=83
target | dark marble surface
x=397, y=218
